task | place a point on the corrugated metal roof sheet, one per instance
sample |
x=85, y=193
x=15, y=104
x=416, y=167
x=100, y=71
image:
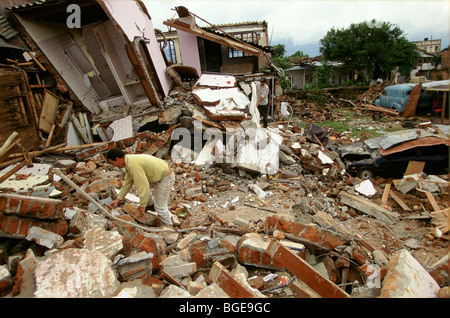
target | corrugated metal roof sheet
x=6, y=30
x=20, y=4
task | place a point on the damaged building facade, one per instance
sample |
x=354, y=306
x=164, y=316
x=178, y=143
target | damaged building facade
x=259, y=212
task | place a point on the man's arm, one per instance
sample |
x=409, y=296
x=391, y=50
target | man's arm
x=126, y=186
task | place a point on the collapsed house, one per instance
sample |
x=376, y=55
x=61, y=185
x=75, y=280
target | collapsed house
x=227, y=168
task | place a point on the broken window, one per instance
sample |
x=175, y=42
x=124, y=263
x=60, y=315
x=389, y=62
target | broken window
x=169, y=51
x=251, y=37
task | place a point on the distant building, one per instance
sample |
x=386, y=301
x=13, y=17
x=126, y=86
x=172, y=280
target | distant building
x=302, y=72
x=216, y=53
x=429, y=46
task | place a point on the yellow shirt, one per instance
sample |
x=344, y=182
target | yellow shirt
x=142, y=169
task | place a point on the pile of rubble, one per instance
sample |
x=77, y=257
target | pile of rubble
x=307, y=229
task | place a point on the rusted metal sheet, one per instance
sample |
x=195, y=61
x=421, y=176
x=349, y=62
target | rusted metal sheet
x=421, y=142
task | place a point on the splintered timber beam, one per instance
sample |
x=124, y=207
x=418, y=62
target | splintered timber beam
x=368, y=207
x=304, y=272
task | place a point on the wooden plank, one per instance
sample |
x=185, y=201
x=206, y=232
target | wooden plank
x=432, y=201
x=368, y=207
x=48, y=114
x=385, y=194
x=303, y=271
x=414, y=167
x=225, y=280
x=36, y=61
x=399, y=201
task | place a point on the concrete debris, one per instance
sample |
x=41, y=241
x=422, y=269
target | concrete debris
x=407, y=278
x=259, y=212
x=262, y=212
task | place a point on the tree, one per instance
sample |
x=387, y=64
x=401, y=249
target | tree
x=375, y=47
x=279, y=56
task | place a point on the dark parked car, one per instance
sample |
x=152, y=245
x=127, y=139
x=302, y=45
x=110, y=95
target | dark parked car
x=394, y=165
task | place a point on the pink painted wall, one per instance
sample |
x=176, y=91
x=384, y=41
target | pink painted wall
x=133, y=22
x=189, y=48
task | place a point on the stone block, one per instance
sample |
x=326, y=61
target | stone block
x=135, y=266
x=184, y=242
x=77, y=222
x=176, y=267
x=194, y=287
x=212, y=291
x=75, y=273
x=44, y=238
x=24, y=280
x=5, y=281
x=108, y=243
x=407, y=278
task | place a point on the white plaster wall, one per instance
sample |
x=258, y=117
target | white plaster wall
x=189, y=48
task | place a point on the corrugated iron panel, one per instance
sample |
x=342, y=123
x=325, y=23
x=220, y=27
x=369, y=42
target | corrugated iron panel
x=20, y=4
x=422, y=142
x=5, y=28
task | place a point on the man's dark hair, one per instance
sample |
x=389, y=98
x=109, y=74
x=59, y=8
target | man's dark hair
x=115, y=153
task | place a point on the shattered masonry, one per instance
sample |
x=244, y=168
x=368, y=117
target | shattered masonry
x=261, y=213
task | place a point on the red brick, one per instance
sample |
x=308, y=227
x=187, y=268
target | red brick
x=48, y=210
x=3, y=220
x=12, y=226
x=12, y=204
x=285, y=225
x=137, y=240
x=227, y=245
x=148, y=245
x=266, y=259
x=312, y=233
x=297, y=228
x=332, y=241
x=198, y=250
x=24, y=227
x=270, y=223
x=277, y=261
x=244, y=254
x=255, y=257
x=34, y=207
x=3, y=203
x=359, y=257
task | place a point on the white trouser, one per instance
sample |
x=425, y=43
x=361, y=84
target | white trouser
x=161, y=198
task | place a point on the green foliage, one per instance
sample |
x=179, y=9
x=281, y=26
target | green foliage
x=436, y=60
x=322, y=75
x=377, y=47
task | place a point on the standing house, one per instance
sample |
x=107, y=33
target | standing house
x=94, y=51
x=302, y=72
x=236, y=49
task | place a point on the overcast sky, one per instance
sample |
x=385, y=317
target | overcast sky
x=300, y=24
